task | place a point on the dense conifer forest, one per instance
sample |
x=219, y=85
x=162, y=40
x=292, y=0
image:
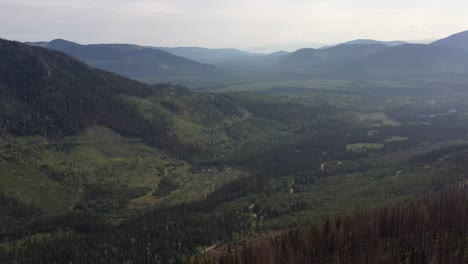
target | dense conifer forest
x=98, y=168
x=431, y=230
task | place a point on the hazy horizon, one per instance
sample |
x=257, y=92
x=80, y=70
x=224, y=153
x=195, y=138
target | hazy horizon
x=259, y=25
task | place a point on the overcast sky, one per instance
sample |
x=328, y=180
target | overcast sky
x=246, y=24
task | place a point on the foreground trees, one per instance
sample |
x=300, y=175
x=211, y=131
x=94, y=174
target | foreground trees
x=433, y=230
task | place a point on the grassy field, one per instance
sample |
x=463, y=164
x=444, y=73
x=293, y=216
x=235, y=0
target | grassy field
x=192, y=187
x=363, y=147
x=30, y=185
x=377, y=119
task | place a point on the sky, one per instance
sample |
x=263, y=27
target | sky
x=254, y=25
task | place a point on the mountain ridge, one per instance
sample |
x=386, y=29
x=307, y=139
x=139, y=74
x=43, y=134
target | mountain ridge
x=131, y=60
x=372, y=41
x=50, y=93
x=416, y=60
x=206, y=55
x=313, y=61
x=458, y=41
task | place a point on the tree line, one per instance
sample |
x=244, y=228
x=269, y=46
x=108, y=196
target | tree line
x=431, y=230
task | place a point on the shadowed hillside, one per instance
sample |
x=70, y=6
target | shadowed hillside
x=48, y=93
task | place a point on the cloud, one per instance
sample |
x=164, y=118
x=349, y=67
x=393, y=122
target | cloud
x=106, y=6
x=222, y=23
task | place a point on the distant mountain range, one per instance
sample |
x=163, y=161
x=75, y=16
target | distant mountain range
x=210, y=56
x=371, y=41
x=445, y=57
x=368, y=42
x=323, y=60
x=357, y=58
x=230, y=59
x=456, y=41
x=385, y=60
x=130, y=60
x=410, y=60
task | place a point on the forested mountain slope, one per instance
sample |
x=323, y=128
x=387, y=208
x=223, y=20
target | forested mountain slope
x=57, y=112
x=51, y=94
